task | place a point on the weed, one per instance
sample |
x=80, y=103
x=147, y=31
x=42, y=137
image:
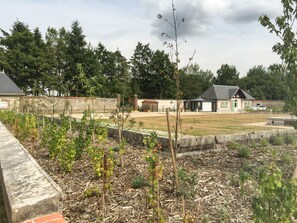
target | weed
x=233, y=145
x=244, y=152
x=286, y=157
x=264, y=142
x=289, y=139
x=277, y=140
x=205, y=219
x=91, y=192
x=138, y=182
x=187, y=183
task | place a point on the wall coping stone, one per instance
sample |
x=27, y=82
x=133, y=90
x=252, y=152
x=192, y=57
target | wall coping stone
x=27, y=189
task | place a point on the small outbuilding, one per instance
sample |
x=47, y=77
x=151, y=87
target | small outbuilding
x=150, y=106
x=10, y=93
x=222, y=98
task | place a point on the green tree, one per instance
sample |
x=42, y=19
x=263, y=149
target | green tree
x=194, y=81
x=284, y=28
x=56, y=51
x=18, y=56
x=115, y=70
x=141, y=69
x=40, y=68
x=227, y=75
x=161, y=84
x=265, y=84
x=76, y=52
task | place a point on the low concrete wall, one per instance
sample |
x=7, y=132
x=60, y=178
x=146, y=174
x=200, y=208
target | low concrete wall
x=28, y=191
x=199, y=143
x=68, y=104
x=281, y=121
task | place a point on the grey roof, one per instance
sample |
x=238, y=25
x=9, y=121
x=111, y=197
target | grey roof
x=223, y=92
x=8, y=87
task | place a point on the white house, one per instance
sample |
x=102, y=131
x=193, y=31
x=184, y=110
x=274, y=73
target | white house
x=222, y=98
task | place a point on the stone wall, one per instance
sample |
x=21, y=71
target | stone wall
x=68, y=104
x=10, y=102
x=199, y=143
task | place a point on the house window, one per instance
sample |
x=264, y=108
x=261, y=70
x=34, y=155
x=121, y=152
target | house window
x=247, y=104
x=224, y=104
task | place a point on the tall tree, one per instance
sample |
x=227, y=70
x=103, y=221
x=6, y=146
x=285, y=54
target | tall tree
x=161, y=84
x=40, y=64
x=284, y=28
x=56, y=45
x=76, y=52
x=194, y=81
x=18, y=54
x=227, y=75
x=141, y=69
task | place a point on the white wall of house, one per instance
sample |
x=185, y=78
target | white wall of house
x=162, y=104
x=229, y=106
x=206, y=106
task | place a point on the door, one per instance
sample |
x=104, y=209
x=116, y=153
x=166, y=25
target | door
x=206, y=106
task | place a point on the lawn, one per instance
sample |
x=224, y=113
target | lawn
x=211, y=124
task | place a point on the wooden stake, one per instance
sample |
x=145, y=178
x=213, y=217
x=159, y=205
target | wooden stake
x=171, y=150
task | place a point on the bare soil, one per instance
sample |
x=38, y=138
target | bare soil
x=213, y=194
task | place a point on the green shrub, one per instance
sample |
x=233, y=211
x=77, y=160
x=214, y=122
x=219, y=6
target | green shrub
x=277, y=140
x=289, y=139
x=138, y=182
x=91, y=192
x=286, y=157
x=187, y=183
x=264, y=142
x=244, y=152
x=233, y=145
x=253, y=144
x=276, y=197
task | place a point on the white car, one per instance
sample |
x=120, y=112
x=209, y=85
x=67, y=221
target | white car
x=259, y=107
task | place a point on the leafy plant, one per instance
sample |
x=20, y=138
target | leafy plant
x=91, y=192
x=244, y=152
x=276, y=199
x=155, y=170
x=102, y=160
x=277, y=140
x=289, y=139
x=138, y=182
x=187, y=183
x=233, y=145
x=264, y=142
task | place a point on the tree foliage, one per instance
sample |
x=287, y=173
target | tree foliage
x=284, y=28
x=63, y=63
x=194, y=81
x=227, y=75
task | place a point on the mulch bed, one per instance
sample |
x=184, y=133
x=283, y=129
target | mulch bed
x=215, y=188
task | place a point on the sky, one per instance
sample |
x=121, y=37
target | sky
x=220, y=31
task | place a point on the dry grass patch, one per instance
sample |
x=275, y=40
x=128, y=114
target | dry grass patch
x=211, y=124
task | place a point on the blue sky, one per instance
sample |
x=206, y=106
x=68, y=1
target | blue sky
x=221, y=31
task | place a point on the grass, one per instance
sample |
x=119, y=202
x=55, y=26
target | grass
x=209, y=124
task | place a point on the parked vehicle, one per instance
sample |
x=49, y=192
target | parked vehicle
x=259, y=107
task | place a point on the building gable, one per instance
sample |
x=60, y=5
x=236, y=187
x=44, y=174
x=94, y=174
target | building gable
x=8, y=87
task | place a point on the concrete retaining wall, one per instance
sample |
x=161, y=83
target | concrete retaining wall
x=199, y=143
x=28, y=191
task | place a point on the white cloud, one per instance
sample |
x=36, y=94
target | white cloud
x=222, y=31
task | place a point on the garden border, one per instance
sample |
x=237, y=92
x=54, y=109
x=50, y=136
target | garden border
x=28, y=191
